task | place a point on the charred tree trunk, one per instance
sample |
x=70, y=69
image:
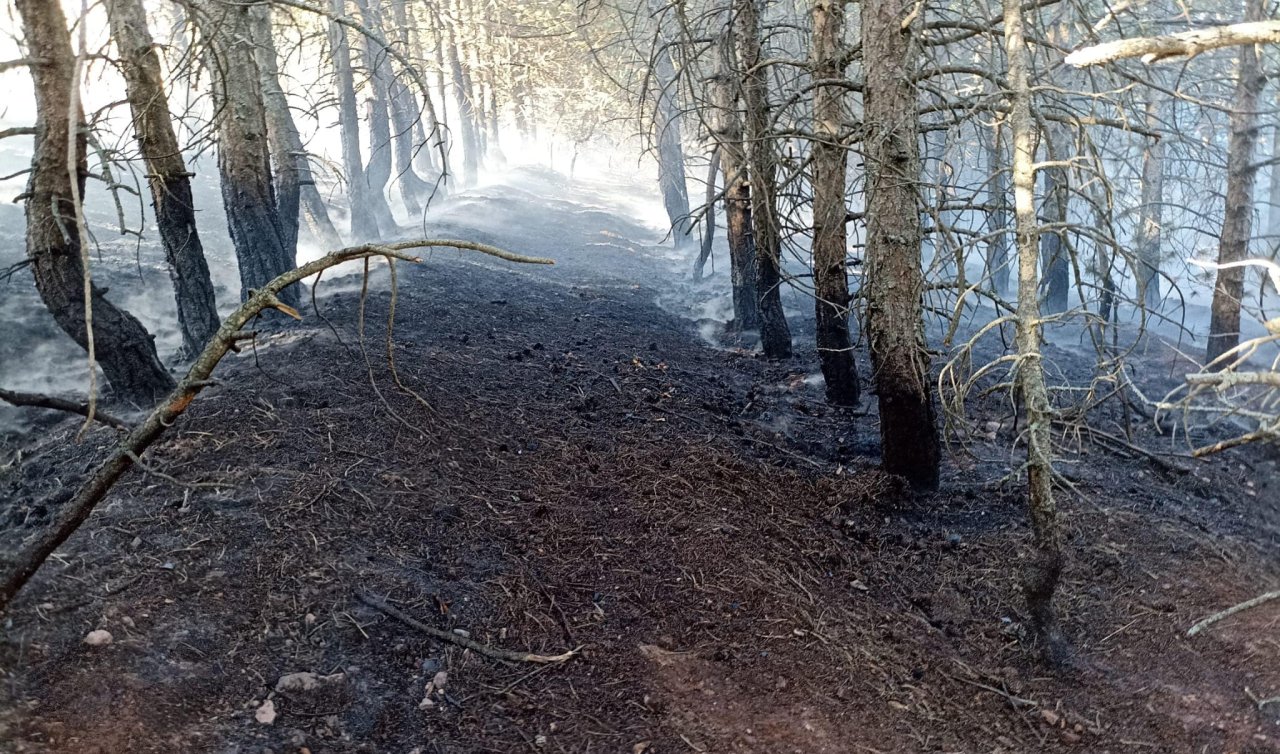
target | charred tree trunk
x=708, y=216
x=672, y=179
x=377, y=171
x=830, y=278
x=894, y=283
x=762, y=164
x=295, y=184
x=1054, y=254
x=123, y=347
x=997, y=261
x=167, y=174
x=244, y=161
x=1148, y=235
x=364, y=225
x=406, y=122
x=1043, y=570
x=726, y=127
x=463, y=104
x=1237, y=221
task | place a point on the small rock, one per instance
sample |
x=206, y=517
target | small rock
x=1050, y=717
x=266, y=713
x=306, y=681
x=440, y=680
x=1069, y=737
x=99, y=638
x=462, y=632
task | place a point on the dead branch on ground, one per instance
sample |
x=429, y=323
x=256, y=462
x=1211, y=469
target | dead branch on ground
x=35, y=400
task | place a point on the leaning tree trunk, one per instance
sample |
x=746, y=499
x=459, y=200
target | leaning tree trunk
x=294, y=181
x=726, y=128
x=364, y=225
x=244, y=159
x=1237, y=221
x=762, y=164
x=894, y=283
x=708, y=216
x=377, y=171
x=830, y=278
x=123, y=348
x=666, y=122
x=1045, y=566
x=167, y=174
x=1147, y=240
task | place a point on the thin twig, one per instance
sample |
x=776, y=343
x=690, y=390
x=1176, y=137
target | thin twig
x=1260, y=599
x=381, y=605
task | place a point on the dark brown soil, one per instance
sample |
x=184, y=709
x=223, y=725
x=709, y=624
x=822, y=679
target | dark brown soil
x=583, y=471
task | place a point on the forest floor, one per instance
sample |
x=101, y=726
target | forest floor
x=586, y=472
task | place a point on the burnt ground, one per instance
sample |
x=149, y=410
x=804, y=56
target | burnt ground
x=584, y=471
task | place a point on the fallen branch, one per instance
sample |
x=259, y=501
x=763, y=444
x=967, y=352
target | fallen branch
x=448, y=636
x=1184, y=45
x=1247, y=604
x=35, y=400
x=30, y=556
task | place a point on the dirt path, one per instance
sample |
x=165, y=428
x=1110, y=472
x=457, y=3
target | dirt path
x=584, y=472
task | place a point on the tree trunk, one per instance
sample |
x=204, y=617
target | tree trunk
x=1273, y=211
x=244, y=160
x=167, y=174
x=377, y=171
x=364, y=225
x=1147, y=239
x=1054, y=254
x=666, y=123
x=463, y=103
x=406, y=120
x=123, y=347
x=762, y=163
x=1045, y=566
x=1237, y=221
x=726, y=128
x=295, y=183
x=830, y=278
x=894, y=283
x=998, y=216
x=708, y=216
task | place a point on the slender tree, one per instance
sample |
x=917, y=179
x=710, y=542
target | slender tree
x=1147, y=239
x=244, y=159
x=762, y=165
x=377, y=171
x=295, y=184
x=167, y=174
x=364, y=225
x=894, y=282
x=666, y=123
x=1043, y=569
x=122, y=346
x=830, y=279
x=1237, y=224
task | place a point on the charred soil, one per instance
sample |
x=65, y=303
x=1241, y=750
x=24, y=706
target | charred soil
x=579, y=470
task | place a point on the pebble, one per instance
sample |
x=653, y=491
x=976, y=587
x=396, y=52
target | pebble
x=99, y=638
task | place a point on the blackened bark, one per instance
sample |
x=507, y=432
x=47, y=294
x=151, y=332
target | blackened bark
x=167, y=174
x=377, y=171
x=1054, y=254
x=726, y=127
x=1147, y=238
x=895, y=283
x=463, y=103
x=1237, y=222
x=244, y=158
x=364, y=225
x=672, y=178
x=708, y=216
x=124, y=348
x=406, y=123
x=295, y=184
x=775, y=336
x=830, y=276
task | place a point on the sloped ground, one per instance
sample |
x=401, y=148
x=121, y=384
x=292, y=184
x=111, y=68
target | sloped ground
x=584, y=472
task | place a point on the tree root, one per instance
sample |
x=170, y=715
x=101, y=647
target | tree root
x=382, y=606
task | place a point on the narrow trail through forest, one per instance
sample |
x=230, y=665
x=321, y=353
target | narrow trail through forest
x=580, y=470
